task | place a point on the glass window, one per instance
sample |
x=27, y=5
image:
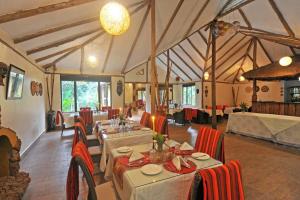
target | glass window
x=67, y=96
x=105, y=94
x=87, y=94
x=142, y=95
x=189, y=95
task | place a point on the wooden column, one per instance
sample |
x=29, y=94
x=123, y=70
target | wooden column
x=254, y=95
x=167, y=81
x=152, y=57
x=213, y=74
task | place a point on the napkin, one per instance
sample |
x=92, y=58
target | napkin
x=184, y=163
x=171, y=143
x=176, y=162
x=135, y=156
x=185, y=147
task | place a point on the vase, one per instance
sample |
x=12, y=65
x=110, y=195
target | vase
x=160, y=147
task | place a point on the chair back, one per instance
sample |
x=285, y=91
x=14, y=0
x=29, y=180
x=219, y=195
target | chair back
x=113, y=113
x=79, y=129
x=224, y=182
x=85, y=108
x=87, y=116
x=59, y=119
x=211, y=141
x=128, y=112
x=161, y=125
x=80, y=120
x=82, y=159
x=145, y=119
x=105, y=108
x=188, y=114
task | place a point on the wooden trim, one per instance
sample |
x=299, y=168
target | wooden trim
x=153, y=85
x=203, y=37
x=293, y=51
x=235, y=8
x=108, y=53
x=41, y=10
x=61, y=42
x=265, y=51
x=195, y=48
x=186, y=64
x=196, y=18
x=179, y=4
x=245, y=18
x=136, y=38
x=208, y=49
x=213, y=76
x=223, y=8
x=281, y=18
x=190, y=57
x=55, y=54
x=82, y=59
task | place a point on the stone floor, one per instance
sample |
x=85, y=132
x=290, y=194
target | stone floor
x=270, y=171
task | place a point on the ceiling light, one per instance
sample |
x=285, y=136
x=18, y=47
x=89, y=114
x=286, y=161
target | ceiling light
x=206, y=76
x=242, y=78
x=114, y=18
x=285, y=61
x=299, y=78
x=92, y=59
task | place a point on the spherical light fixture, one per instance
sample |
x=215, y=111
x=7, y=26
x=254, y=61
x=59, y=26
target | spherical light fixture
x=206, y=76
x=285, y=61
x=242, y=78
x=114, y=18
x=92, y=60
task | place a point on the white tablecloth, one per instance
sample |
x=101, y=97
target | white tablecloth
x=164, y=186
x=111, y=141
x=69, y=118
x=277, y=128
x=229, y=110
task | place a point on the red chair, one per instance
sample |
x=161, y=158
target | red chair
x=82, y=159
x=211, y=141
x=60, y=120
x=188, y=114
x=113, y=113
x=105, y=108
x=128, y=112
x=145, y=119
x=87, y=116
x=220, y=183
x=161, y=125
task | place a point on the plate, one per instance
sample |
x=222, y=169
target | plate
x=124, y=149
x=200, y=156
x=145, y=129
x=151, y=169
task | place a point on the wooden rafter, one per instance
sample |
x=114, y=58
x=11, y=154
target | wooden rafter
x=245, y=18
x=235, y=8
x=55, y=54
x=208, y=49
x=136, y=38
x=265, y=51
x=41, y=10
x=179, y=4
x=281, y=18
x=223, y=8
x=195, y=48
x=175, y=64
x=61, y=42
x=203, y=37
x=81, y=59
x=185, y=63
x=196, y=18
x=190, y=57
x=176, y=75
x=108, y=53
x=229, y=67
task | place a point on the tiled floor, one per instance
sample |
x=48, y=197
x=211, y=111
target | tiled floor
x=270, y=171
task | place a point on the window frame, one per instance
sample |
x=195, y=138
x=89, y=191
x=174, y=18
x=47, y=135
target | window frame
x=187, y=86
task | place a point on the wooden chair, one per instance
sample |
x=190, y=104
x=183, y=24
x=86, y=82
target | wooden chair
x=145, y=119
x=91, y=139
x=211, y=141
x=60, y=120
x=113, y=113
x=103, y=191
x=87, y=116
x=220, y=183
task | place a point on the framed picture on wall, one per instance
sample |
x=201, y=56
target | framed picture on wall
x=15, y=82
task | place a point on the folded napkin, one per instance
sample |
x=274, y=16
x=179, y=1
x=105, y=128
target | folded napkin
x=186, y=147
x=135, y=156
x=171, y=143
x=184, y=163
x=176, y=162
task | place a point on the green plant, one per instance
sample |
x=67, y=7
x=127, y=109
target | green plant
x=159, y=138
x=244, y=106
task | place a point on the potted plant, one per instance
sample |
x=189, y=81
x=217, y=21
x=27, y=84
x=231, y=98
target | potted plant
x=160, y=139
x=244, y=106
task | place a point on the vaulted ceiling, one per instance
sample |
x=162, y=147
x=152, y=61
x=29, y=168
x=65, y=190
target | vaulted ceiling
x=65, y=33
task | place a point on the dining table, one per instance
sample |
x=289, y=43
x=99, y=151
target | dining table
x=164, y=185
x=113, y=137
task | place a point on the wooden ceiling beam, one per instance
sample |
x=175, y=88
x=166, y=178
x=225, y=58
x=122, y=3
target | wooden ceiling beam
x=108, y=53
x=61, y=42
x=174, y=63
x=81, y=59
x=136, y=38
x=245, y=17
x=55, y=54
x=282, y=19
x=208, y=49
x=235, y=8
x=167, y=66
x=190, y=57
x=41, y=10
x=175, y=12
x=196, y=18
x=203, y=37
x=185, y=63
x=195, y=48
x=265, y=51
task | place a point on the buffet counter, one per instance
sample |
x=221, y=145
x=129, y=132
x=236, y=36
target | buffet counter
x=278, y=108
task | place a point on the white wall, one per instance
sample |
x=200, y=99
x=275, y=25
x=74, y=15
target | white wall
x=26, y=116
x=223, y=94
x=128, y=93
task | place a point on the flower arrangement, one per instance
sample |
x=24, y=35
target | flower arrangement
x=160, y=139
x=244, y=106
x=122, y=119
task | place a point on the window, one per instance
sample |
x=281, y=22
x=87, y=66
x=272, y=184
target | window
x=189, y=95
x=141, y=95
x=77, y=92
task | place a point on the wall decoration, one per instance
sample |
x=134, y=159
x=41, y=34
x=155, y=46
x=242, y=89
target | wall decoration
x=140, y=72
x=206, y=91
x=119, y=87
x=3, y=72
x=281, y=91
x=264, y=88
x=257, y=88
x=15, y=82
x=248, y=89
x=36, y=88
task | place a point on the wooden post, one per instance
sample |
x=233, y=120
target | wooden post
x=254, y=95
x=213, y=74
x=152, y=57
x=167, y=81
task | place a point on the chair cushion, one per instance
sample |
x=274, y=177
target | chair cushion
x=94, y=150
x=91, y=137
x=106, y=191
